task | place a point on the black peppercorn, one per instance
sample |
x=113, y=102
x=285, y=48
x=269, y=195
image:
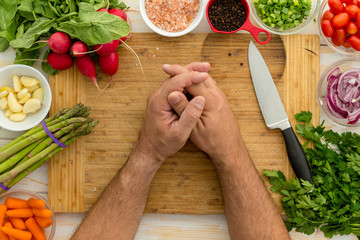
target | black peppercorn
x=227, y=15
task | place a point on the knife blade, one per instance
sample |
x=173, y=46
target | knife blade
x=274, y=112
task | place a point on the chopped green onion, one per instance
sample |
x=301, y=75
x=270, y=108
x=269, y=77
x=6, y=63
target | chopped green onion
x=283, y=14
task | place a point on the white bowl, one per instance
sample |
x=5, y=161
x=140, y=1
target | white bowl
x=31, y=119
x=191, y=27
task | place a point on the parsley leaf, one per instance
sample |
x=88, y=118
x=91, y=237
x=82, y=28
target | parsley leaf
x=332, y=202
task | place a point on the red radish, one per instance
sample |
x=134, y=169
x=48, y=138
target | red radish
x=60, y=61
x=59, y=42
x=109, y=65
x=106, y=49
x=119, y=13
x=79, y=49
x=86, y=67
x=102, y=10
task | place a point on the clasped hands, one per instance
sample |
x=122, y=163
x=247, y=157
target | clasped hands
x=171, y=119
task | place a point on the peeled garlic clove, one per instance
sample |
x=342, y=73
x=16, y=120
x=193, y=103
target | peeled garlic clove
x=14, y=104
x=29, y=81
x=32, y=106
x=38, y=94
x=32, y=89
x=4, y=94
x=22, y=93
x=3, y=103
x=25, y=98
x=9, y=89
x=17, y=84
x=17, y=117
x=8, y=113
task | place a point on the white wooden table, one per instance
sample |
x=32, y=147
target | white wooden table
x=156, y=226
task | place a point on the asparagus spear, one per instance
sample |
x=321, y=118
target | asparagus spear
x=37, y=136
x=11, y=182
x=68, y=114
x=47, y=141
x=82, y=130
x=17, y=157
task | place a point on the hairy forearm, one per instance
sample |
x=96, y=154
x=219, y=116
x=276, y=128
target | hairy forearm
x=117, y=213
x=249, y=209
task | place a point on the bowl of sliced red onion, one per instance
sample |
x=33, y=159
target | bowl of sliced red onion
x=338, y=92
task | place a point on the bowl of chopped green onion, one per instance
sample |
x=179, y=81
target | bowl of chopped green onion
x=284, y=17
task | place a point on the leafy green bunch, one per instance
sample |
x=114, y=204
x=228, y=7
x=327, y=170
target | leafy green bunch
x=332, y=202
x=22, y=22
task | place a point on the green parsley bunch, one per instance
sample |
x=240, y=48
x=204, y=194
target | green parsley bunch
x=332, y=203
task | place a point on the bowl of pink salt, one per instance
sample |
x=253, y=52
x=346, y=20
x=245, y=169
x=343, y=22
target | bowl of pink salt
x=172, y=18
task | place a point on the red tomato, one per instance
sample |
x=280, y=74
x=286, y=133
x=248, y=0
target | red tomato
x=347, y=44
x=354, y=42
x=352, y=10
x=326, y=28
x=356, y=3
x=336, y=6
x=328, y=15
x=357, y=19
x=347, y=1
x=340, y=20
x=339, y=36
x=351, y=28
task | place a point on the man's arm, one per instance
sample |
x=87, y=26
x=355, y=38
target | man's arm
x=249, y=209
x=117, y=213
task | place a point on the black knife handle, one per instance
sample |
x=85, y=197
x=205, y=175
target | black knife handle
x=296, y=155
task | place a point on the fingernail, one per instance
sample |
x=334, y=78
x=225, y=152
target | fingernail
x=175, y=99
x=166, y=65
x=200, y=102
x=204, y=75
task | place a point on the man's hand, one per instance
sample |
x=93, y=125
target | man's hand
x=163, y=132
x=216, y=132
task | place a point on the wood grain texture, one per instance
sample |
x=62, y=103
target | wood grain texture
x=187, y=182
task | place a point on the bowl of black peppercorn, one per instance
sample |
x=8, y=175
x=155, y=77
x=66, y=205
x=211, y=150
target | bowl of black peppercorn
x=230, y=16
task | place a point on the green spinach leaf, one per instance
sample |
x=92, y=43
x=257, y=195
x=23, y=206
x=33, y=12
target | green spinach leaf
x=96, y=28
x=40, y=26
x=22, y=57
x=4, y=44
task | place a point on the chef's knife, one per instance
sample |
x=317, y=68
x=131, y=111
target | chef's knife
x=274, y=112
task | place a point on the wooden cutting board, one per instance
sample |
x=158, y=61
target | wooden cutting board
x=187, y=182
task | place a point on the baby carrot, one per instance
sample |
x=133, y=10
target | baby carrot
x=3, y=236
x=36, y=203
x=18, y=234
x=6, y=220
x=18, y=223
x=8, y=224
x=3, y=209
x=43, y=222
x=20, y=213
x=16, y=203
x=42, y=212
x=35, y=229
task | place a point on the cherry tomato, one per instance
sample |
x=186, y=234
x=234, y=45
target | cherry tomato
x=352, y=10
x=339, y=36
x=356, y=3
x=351, y=28
x=328, y=15
x=357, y=19
x=347, y=44
x=340, y=20
x=336, y=6
x=347, y=1
x=354, y=42
x=326, y=28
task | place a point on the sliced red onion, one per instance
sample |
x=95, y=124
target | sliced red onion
x=343, y=94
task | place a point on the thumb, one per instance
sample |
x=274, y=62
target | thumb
x=191, y=114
